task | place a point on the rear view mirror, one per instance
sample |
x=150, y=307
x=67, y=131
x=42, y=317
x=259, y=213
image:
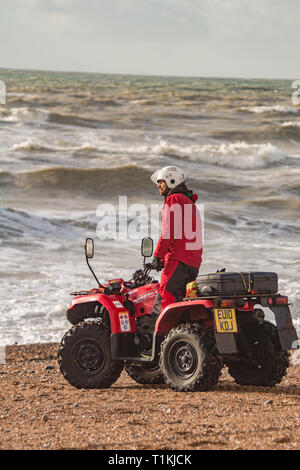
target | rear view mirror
x=147, y=247
x=89, y=248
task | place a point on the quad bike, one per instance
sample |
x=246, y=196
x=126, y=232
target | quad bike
x=188, y=344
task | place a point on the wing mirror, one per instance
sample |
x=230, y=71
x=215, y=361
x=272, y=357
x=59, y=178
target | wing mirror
x=89, y=253
x=89, y=248
x=147, y=247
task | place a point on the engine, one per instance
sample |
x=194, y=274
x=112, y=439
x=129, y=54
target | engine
x=144, y=333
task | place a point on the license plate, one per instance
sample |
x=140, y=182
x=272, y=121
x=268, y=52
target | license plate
x=225, y=320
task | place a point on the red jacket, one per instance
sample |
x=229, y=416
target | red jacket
x=181, y=234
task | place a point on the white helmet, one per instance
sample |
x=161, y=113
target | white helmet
x=172, y=175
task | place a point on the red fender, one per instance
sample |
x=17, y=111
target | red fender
x=120, y=319
x=198, y=310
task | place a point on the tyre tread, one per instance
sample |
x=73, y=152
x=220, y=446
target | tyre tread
x=106, y=380
x=280, y=360
x=212, y=361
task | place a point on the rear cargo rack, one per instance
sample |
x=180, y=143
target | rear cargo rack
x=239, y=296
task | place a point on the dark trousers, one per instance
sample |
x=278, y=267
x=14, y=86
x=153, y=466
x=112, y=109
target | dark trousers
x=173, y=282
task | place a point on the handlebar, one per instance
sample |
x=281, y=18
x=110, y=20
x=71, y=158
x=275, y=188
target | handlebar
x=149, y=266
x=141, y=276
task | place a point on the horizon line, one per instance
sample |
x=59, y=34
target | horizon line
x=145, y=74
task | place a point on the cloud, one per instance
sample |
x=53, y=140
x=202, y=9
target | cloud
x=195, y=37
x=144, y=20
x=154, y=20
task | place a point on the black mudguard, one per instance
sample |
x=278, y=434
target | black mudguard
x=286, y=331
x=225, y=343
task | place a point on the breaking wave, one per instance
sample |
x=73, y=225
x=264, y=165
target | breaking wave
x=70, y=182
x=278, y=108
x=31, y=145
x=232, y=155
x=16, y=223
x=31, y=114
x=292, y=124
x=239, y=155
x=25, y=114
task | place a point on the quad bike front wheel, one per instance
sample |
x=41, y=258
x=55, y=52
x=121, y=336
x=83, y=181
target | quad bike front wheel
x=268, y=365
x=145, y=373
x=189, y=358
x=85, y=359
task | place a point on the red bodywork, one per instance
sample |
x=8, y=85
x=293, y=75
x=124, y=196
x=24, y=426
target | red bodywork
x=122, y=321
x=142, y=298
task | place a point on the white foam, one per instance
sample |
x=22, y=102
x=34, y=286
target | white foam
x=87, y=146
x=233, y=155
x=22, y=223
x=30, y=145
x=291, y=124
x=272, y=108
x=25, y=114
x=237, y=154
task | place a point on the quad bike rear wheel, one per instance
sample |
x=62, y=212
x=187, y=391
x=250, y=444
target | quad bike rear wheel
x=269, y=363
x=145, y=373
x=189, y=358
x=85, y=359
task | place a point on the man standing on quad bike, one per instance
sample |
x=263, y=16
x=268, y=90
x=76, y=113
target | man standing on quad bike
x=179, y=249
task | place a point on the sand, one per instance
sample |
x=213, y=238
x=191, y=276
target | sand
x=39, y=409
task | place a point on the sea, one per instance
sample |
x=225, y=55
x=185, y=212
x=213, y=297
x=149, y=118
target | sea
x=76, y=154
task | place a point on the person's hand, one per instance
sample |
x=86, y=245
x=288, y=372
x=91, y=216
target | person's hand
x=157, y=263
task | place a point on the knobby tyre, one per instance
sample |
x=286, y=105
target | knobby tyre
x=145, y=373
x=84, y=356
x=269, y=364
x=189, y=358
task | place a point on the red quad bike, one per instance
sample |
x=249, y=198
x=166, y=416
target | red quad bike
x=219, y=323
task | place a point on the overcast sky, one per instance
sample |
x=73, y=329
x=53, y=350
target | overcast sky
x=222, y=38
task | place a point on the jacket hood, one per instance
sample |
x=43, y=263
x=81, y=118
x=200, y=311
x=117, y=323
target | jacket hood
x=182, y=189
